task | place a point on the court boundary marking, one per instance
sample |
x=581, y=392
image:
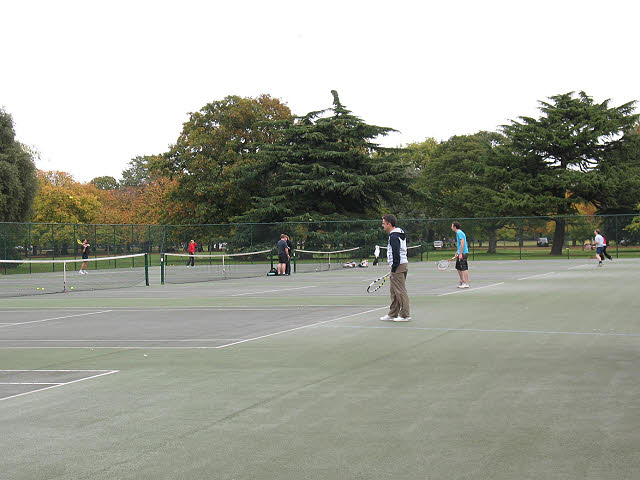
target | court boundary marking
x=51, y=319
x=488, y=330
x=301, y=327
x=56, y=385
x=272, y=291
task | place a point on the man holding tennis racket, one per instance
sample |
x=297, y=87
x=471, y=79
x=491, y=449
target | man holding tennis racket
x=462, y=253
x=397, y=259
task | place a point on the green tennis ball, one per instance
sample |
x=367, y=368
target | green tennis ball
x=72, y=288
x=71, y=196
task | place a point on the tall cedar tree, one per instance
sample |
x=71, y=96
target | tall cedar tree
x=18, y=181
x=325, y=168
x=563, y=149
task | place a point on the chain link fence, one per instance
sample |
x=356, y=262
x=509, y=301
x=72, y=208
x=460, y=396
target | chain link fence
x=510, y=238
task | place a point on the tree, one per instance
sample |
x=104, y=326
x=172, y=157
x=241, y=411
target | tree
x=214, y=145
x=18, y=182
x=105, y=183
x=469, y=176
x=324, y=168
x=571, y=139
x=138, y=173
x=61, y=199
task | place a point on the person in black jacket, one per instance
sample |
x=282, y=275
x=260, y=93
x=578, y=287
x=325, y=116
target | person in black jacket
x=397, y=259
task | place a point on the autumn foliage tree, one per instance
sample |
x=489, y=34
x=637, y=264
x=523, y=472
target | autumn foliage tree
x=61, y=199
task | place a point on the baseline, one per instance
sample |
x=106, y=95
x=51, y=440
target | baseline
x=56, y=385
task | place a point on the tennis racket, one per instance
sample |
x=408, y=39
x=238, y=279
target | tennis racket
x=444, y=264
x=377, y=284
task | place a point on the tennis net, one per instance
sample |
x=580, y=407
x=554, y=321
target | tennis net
x=185, y=268
x=38, y=277
x=414, y=251
x=319, y=261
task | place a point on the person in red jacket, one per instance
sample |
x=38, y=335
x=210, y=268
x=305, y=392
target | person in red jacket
x=192, y=252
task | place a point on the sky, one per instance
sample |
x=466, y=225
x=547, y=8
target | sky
x=92, y=85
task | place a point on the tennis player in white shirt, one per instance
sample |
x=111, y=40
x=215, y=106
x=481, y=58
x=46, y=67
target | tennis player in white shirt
x=599, y=243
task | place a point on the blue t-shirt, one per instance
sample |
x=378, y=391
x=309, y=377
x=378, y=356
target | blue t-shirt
x=461, y=236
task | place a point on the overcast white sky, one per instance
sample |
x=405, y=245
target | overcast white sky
x=92, y=85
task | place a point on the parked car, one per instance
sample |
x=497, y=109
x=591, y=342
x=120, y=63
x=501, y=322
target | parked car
x=543, y=242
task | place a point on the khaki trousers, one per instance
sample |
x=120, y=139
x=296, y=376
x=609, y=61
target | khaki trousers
x=398, y=289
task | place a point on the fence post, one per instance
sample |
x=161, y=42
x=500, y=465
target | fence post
x=520, y=239
x=617, y=252
x=473, y=244
x=426, y=226
x=53, y=246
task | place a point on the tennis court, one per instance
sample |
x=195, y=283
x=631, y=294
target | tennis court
x=531, y=373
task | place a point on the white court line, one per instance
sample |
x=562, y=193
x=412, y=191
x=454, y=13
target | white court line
x=583, y=265
x=57, y=370
x=27, y=340
x=57, y=385
x=29, y=383
x=299, y=328
x=534, y=276
x=471, y=289
x=177, y=309
x=56, y=318
x=270, y=291
x=481, y=330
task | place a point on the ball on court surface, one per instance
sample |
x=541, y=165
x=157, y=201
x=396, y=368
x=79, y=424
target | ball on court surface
x=72, y=288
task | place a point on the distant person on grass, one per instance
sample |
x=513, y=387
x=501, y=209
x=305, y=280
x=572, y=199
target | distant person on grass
x=397, y=259
x=290, y=247
x=604, y=248
x=599, y=243
x=192, y=252
x=283, y=254
x=462, y=253
x=85, y=256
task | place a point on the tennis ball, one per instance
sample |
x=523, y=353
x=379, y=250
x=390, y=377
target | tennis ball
x=71, y=196
x=72, y=288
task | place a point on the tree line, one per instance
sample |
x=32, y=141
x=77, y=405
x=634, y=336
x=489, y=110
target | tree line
x=252, y=160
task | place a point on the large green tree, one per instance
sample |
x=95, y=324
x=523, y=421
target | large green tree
x=214, y=145
x=18, y=181
x=470, y=176
x=561, y=151
x=326, y=166
x=138, y=173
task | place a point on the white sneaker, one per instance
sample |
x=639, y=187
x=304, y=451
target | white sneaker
x=402, y=319
x=465, y=285
x=388, y=318
x=461, y=285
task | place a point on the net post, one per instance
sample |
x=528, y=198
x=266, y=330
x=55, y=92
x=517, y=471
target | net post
x=64, y=277
x=146, y=269
x=617, y=242
x=162, y=262
x=360, y=252
x=295, y=262
x=426, y=225
x=271, y=258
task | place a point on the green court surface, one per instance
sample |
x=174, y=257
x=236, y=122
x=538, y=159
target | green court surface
x=532, y=373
